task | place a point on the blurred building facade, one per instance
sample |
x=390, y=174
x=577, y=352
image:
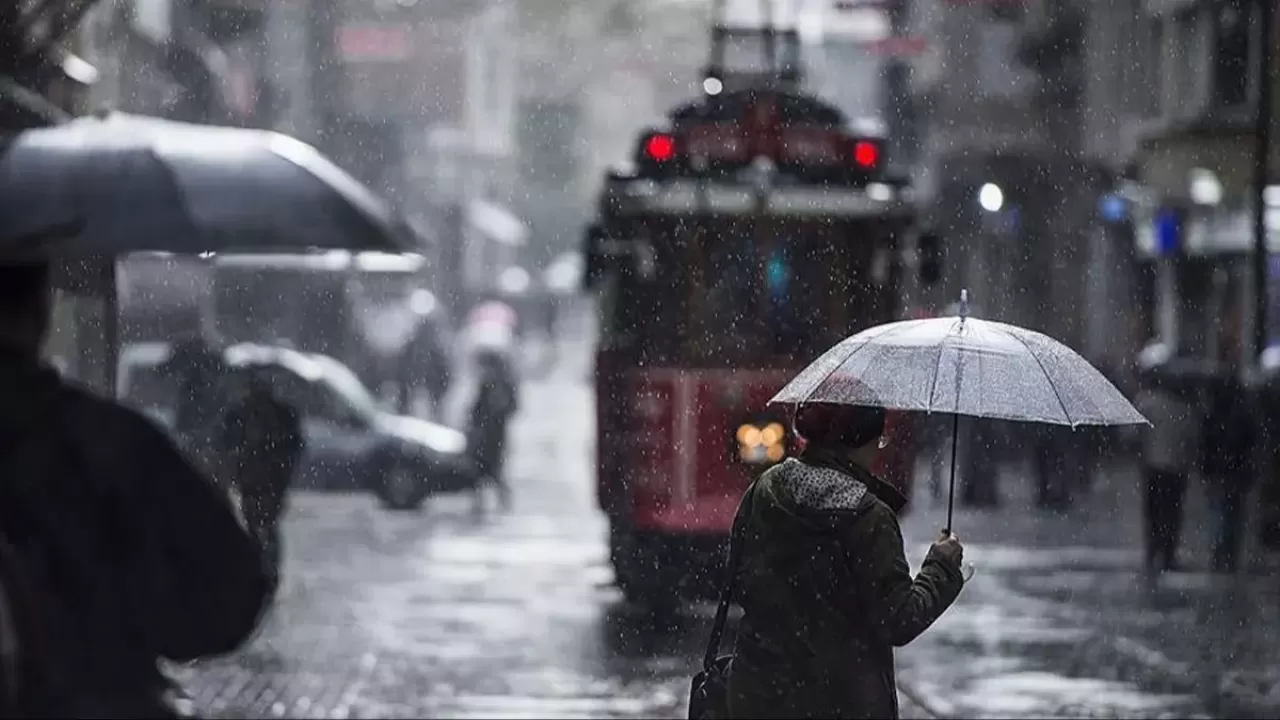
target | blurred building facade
x=1017, y=113
x=1195, y=194
x=193, y=60
x=1195, y=165
x=972, y=99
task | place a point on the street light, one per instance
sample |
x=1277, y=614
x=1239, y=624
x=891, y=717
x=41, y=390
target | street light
x=1204, y=187
x=991, y=197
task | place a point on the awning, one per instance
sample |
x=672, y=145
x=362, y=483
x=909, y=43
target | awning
x=497, y=222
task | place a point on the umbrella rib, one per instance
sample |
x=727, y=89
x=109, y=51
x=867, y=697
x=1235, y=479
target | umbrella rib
x=1044, y=371
x=937, y=368
x=848, y=357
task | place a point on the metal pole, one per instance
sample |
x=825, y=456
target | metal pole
x=1261, y=162
x=1261, y=264
x=951, y=487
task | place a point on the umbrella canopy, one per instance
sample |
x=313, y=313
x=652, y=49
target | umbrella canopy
x=123, y=183
x=963, y=366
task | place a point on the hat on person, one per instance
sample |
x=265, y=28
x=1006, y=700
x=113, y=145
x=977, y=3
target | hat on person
x=831, y=424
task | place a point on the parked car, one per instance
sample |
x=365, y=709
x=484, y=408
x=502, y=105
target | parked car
x=353, y=442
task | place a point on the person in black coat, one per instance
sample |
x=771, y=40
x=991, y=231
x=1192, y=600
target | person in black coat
x=135, y=554
x=824, y=584
x=262, y=438
x=1227, y=464
x=426, y=363
x=495, y=403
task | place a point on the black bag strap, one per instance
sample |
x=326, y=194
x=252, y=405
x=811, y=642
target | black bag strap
x=731, y=581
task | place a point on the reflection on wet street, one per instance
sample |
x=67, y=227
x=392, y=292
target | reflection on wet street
x=443, y=613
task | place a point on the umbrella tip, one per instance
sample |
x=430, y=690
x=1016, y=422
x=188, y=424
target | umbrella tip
x=964, y=304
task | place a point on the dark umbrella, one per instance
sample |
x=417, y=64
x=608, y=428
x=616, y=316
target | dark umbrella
x=963, y=366
x=129, y=183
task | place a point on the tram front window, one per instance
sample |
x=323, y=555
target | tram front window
x=746, y=295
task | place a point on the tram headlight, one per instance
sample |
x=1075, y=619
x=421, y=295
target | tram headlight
x=762, y=443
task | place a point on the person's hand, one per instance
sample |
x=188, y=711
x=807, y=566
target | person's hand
x=948, y=549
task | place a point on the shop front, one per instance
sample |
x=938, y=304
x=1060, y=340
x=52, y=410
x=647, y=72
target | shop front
x=1200, y=250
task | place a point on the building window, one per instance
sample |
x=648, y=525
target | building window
x=1233, y=35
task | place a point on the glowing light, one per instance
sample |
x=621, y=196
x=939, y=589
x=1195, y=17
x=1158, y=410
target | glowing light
x=866, y=154
x=660, y=147
x=991, y=197
x=773, y=434
x=1204, y=187
x=712, y=86
x=422, y=302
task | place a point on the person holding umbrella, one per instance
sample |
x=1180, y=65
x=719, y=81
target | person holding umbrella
x=825, y=585
x=816, y=544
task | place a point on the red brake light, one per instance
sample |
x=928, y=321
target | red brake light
x=660, y=147
x=866, y=154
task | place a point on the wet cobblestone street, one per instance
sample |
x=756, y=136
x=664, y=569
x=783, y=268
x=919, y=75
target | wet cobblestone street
x=443, y=613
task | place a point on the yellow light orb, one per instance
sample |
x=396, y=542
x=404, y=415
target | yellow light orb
x=772, y=435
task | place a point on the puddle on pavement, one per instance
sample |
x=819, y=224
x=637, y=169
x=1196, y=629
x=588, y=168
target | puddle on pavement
x=1041, y=695
x=1021, y=656
x=516, y=707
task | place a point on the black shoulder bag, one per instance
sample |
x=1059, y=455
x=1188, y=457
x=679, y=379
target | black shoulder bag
x=709, y=693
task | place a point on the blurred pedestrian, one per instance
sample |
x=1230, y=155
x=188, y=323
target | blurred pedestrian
x=1227, y=465
x=134, y=555
x=823, y=578
x=1168, y=456
x=198, y=368
x=262, y=435
x=199, y=371
x=491, y=411
x=1057, y=470
x=1227, y=458
x=426, y=362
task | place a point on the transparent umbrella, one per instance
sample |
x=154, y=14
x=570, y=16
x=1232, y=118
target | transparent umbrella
x=962, y=366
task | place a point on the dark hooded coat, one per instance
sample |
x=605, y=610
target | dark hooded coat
x=134, y=555
x=827, y=593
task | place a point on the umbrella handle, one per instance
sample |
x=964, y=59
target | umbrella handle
x=951, y=490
